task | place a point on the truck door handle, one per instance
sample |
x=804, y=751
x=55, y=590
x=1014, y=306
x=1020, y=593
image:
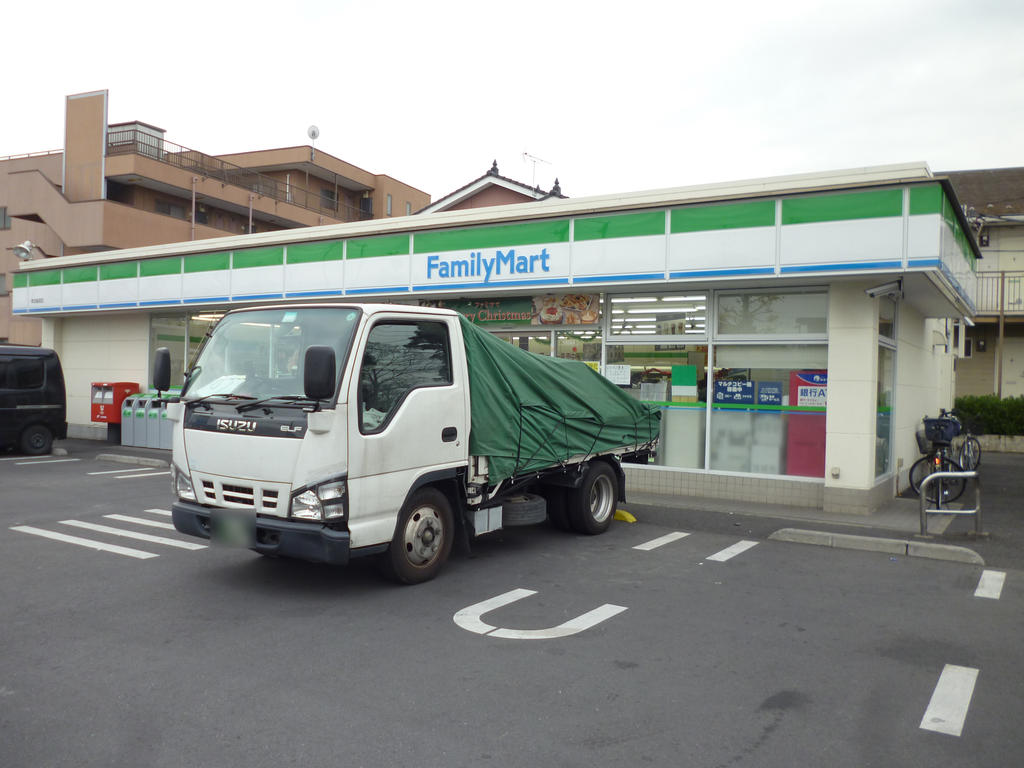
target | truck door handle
x=448, y=434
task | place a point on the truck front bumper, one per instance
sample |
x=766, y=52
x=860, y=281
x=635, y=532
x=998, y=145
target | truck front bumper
x=312, y=542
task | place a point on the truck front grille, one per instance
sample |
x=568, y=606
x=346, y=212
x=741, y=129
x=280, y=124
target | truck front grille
x=260, y=497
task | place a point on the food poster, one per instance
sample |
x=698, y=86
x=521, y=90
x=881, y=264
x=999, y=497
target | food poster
x=570, y=309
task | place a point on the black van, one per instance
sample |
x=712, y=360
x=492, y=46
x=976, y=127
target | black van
x=33, y=409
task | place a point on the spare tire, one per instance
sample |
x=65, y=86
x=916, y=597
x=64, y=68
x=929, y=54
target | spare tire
x=523, y=509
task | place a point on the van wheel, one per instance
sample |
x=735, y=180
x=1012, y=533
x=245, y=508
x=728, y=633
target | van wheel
x=423, y=538
x=592, y=505
x=36, y=440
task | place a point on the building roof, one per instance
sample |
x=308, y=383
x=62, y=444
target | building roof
x=991, y=192
x=491, y=179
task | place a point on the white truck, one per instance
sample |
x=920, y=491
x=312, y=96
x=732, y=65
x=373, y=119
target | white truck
x=329, y=431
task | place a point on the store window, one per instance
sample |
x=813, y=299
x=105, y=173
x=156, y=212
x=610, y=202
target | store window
x=883, y=417
x=756, y=313
x=682, y=316
x=768, y=409
x=537, y=342
x=887, y=318
x=672, y=377
x=582, y=345
x=170, y=331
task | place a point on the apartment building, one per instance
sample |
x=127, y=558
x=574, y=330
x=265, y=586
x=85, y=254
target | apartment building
x=125, y=186
x=992, y=354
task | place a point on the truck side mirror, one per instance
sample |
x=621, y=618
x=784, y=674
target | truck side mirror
x=162, y=370
x=318, y=375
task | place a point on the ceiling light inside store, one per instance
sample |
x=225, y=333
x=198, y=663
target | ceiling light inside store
x=632, y=301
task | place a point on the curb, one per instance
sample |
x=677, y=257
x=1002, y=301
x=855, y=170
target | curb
x=948, y=552
x=122, y=458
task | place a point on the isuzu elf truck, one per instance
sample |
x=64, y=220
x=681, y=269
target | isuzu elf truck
x=331, y=431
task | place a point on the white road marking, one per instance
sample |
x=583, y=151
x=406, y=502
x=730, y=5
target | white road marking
x=49, y=461
x=137, y=553
x=469, y=619
x=133, y=534
x=119, y=471
x=730, y=552
x=28, y=458
x=661, y=541
x=141, y=521
x=159, y=511
x=148, y=474
x=948, y=708
x=990, y=584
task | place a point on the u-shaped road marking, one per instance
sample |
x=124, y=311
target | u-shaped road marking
x=469, y=619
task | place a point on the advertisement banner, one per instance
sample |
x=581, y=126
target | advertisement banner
x=518, y=311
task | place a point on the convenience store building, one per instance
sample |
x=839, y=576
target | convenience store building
x=794, y=330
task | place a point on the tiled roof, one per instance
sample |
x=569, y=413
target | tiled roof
x=534, y=192
x=990, y=192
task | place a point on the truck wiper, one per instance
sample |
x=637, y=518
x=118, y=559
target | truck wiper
x=227, y=395
x=285, y=398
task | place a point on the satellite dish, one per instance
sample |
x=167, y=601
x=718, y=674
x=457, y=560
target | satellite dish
x=313, y=132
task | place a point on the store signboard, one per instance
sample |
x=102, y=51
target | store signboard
x=734, y=392
x=618, y=374
x=518, y=311
x=811, y=388
x=769, y=393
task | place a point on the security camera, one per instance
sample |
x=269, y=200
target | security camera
x=893, y=290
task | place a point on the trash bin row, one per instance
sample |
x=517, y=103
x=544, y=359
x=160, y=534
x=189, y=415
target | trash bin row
x=144, y=422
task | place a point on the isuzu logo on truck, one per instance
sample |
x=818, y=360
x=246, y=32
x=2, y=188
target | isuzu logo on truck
x=236, y=425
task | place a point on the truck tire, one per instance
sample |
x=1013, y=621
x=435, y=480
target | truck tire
x=592, y=504
x=523, y=509
x=557, y=498
x=423, y=538
x=36, y=440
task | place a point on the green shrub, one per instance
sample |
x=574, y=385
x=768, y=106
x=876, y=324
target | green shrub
x=988, y=415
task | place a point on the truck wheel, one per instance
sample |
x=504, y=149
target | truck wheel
x=592, y=505
x=36, y=440
x=423, y=538
x=523, y=509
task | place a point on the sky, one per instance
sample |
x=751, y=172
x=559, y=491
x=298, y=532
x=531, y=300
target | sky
x=607, y=97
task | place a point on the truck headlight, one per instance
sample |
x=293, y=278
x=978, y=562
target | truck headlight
x=321, y=502
x=182, y=484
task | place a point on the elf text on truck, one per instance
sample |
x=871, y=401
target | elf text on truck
x=331, y=431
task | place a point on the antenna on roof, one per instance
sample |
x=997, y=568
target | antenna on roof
x=530, y=158
x=314, y=133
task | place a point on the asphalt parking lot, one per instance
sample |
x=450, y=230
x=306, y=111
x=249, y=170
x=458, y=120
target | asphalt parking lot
x=705, y=643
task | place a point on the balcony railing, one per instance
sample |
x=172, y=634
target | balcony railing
x=135, y=142
x=1000, y=291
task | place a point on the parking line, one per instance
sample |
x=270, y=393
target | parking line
x=990, y=584
x=731, y=552
x=136, y=553
x=44, y=457
x=51, y=461
x=141, y=521
x=117, y=471
x=134, y=535
x=947, y=709
x=148, y=474
x=661, y=541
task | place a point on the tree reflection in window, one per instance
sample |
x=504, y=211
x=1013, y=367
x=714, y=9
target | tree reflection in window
x=399, y=358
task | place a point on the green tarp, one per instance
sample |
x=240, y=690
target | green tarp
x=531, y=412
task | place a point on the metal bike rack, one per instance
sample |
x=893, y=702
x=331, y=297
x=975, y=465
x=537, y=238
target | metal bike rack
x=940, y=510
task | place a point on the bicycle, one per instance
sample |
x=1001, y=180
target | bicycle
x=935, y=442
x=968, y=453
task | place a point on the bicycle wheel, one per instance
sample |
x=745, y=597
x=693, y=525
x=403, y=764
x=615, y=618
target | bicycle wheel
x=950, y=488
x=969, y=454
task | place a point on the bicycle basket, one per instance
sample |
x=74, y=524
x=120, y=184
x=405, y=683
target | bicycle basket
x=941, y=431
x=924, y=445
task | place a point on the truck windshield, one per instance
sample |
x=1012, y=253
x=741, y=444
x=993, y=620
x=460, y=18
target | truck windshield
x=260, y=353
